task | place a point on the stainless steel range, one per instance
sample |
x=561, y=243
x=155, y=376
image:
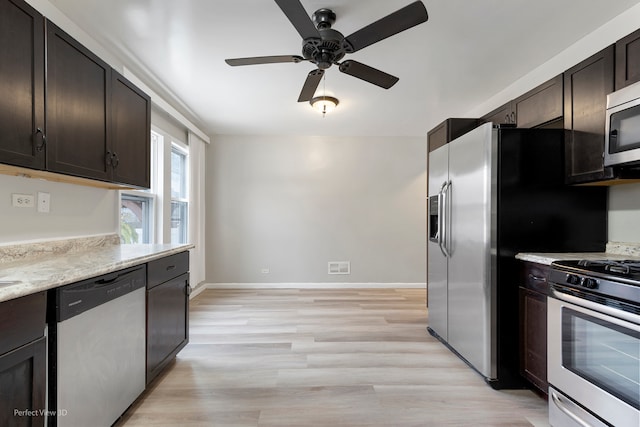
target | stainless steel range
x=594, y=343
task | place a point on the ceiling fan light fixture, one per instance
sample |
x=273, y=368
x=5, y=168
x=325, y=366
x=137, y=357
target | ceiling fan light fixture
x=324, y=104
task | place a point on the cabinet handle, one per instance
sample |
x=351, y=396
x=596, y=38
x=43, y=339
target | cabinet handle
x=108, y=158
x=513, y=117
x=171, y=267
x=43, y=141
x=187, y=290
x=115, y=160
x=537, y=278
x=506, y=119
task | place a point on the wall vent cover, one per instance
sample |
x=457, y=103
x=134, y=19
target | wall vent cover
x=339, y=267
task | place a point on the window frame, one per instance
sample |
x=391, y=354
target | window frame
x=184, y=201
x=160, y=196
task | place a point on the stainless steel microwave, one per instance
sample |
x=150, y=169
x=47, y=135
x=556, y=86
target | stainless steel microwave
x=622, y=142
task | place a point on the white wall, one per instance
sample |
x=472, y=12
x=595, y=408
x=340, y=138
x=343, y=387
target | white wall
x=75, y=211
x=624, y=213
x=293, y=204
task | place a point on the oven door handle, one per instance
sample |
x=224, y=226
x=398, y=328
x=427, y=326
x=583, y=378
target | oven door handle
x=557, y=400
x=600, y=308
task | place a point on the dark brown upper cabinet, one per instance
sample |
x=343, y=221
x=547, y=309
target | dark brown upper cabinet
x=628, y=60
x=98, y=122
x=586, y=86
x=449, y=130
x=131, y=135
x=505, y=114
x=97, y=126
x=78, y=108
x=22, y=76
x=540, y=106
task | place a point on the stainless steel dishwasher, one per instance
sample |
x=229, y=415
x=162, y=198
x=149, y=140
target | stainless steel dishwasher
x=97, y=366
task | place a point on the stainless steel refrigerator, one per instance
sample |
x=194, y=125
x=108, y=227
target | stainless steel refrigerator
x=494, y=192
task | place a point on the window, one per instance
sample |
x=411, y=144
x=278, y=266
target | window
x=179, y=195
x=137, y=208
x=166, y=204
x=136, y=218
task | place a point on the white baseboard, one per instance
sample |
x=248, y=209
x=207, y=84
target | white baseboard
x=197, y=290
x=322, y=285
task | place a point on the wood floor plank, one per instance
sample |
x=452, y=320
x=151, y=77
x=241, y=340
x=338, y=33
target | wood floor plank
x=326, y=357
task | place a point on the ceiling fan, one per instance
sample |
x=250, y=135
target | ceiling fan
x=325, y=46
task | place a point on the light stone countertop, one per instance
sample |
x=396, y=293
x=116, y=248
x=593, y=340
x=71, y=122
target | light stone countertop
x=26, y=275
x=614, y=250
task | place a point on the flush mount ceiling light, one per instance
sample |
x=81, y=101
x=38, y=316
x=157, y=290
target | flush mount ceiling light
x=324, y=104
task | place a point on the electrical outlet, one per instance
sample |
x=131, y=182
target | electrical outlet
x=44, y=202
x=22, y=200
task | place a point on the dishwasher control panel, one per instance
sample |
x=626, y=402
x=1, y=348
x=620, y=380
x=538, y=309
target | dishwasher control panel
x=74, y=299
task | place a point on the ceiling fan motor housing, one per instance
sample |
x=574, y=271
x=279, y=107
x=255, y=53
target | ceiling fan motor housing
x=330, y=48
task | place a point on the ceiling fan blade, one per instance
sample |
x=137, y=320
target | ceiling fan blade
x=264, y=60
x=295, y=12
x=400, y=20
x=369, y=74
x=310, y=85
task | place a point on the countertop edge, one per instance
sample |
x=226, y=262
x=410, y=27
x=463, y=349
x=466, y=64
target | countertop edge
x=548, y=258
x=79, y=266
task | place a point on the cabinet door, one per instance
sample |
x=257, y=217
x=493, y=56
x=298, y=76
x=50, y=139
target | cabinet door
x=586, y=86
x=78, y=109
x=449, y=130
x=628, y=60
x=22, y=77
x=533, y=345
x=534, y=287
x=131, y=133
x=167, y=323
x=502, y=115
x=540, y=105
x=437, y=137
x=23, y=376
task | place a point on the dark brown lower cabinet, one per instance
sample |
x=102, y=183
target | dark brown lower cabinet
x=167, y=311
x=23, y=378
x=23, y=355
x=533, y=325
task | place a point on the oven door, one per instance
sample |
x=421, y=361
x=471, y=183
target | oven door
x=594, y=360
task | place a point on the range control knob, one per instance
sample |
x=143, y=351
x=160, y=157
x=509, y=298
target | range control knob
x=572, y=279
x=589, y=283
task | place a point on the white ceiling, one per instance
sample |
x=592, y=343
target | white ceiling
x=467, y=52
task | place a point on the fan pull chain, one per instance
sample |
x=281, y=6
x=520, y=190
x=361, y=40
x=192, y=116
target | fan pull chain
x=324, y=94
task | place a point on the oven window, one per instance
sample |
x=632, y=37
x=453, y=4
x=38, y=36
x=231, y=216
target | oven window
x=625, y=130
x=603, y=353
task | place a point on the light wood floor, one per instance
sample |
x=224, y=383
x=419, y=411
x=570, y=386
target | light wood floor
x=290, y=357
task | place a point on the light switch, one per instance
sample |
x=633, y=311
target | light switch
x=44, y=202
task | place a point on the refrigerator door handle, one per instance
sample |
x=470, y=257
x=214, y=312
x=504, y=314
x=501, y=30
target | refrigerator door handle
x=443, y=220
x=439, y=230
